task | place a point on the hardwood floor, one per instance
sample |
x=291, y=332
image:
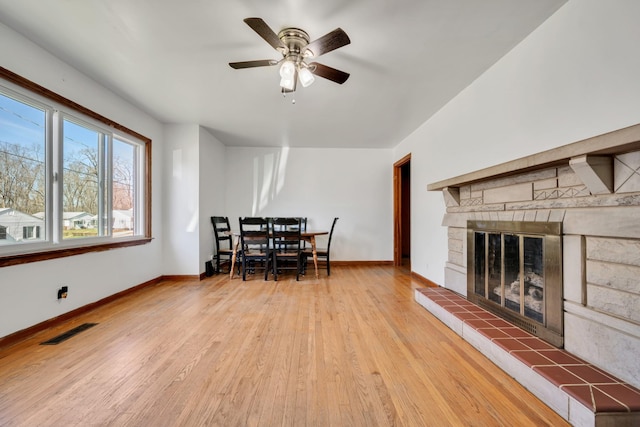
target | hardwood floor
x=354, y=349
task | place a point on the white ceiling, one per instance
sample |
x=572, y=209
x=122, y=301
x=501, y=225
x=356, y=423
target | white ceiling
x=407, y=59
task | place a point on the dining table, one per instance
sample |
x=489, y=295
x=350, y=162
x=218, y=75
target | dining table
x=307, y=235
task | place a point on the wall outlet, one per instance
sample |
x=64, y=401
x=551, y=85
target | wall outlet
x=62, y=292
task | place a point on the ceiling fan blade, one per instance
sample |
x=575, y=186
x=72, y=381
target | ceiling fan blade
x=251, y=64
x=264, y=31
x=331, y=41
x=328, y=73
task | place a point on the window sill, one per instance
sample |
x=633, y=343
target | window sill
x=45, y=255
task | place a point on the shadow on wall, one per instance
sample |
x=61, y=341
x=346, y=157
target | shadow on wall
x=269, y=174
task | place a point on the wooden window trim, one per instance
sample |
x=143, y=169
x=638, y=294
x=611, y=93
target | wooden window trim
x=43, y=255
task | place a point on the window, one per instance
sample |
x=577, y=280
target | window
x=69, y=178
x=31, y=232
x=83, y=171
x=22, y=163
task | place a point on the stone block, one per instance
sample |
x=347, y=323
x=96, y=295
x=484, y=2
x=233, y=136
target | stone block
x=627, y=172
x=557, y=215
x=620, y=277
x=455, y=280
x=457, y=220
x=610, y=222
x=620, y=251
x=573, y=269
x=542, y=215
x=455, y=244
x=526, y=177
x=588, y=337
x=455, y=257
x=451, y=196
x=546, y=184
x=465, y=192
x=511, y=193
x=567, y=177
x=457, y=233
x=596, y=172
x=614, y=302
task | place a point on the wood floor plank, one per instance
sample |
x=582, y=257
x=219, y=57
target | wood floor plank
x=352, y=349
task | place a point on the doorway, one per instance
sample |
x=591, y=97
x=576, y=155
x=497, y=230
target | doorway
x=402, y=212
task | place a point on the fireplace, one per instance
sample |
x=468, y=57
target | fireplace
x=580, y=203
x=514, y=271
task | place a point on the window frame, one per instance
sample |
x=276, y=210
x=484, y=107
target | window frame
x=52, y=248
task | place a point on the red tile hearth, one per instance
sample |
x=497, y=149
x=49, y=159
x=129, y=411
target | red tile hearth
x=594, y=388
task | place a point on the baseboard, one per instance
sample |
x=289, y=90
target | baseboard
x=358, y=263
x=181, y=277
x=428, y=283
x=23, y=334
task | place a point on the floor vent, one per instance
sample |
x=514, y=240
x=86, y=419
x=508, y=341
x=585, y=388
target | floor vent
x=65, y=336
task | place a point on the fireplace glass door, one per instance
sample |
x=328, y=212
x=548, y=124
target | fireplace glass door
x=509, y=270
x=494, y=278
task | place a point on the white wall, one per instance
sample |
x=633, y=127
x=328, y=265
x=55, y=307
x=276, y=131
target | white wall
x=213, y=183
x=29, y=291
x=575, y=77
x=320, y=184
x=181, y=203
x=194, y=188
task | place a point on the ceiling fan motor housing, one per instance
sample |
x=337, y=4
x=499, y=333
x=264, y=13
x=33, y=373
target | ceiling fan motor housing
x=295, y=40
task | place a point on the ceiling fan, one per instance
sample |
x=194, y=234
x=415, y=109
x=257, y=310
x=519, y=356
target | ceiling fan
x=294, y=45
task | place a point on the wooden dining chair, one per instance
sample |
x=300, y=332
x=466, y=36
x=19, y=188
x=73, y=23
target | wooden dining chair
x=223, y=241
x=303, y=228
x=323, y=254
x=255, y=250
x=287, y=246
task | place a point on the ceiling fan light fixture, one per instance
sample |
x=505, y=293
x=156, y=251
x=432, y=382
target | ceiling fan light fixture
x=287, y=83
x=306, y=77
x=288, y=75
x=287, y=70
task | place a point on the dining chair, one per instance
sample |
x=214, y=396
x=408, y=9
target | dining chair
x=291, y=225
x=223, y=241
x=255, y=250
x=323, y=254
x=303, y=228
x=287, y=246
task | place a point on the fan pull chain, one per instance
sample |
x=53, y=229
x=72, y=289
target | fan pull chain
x=284, y=95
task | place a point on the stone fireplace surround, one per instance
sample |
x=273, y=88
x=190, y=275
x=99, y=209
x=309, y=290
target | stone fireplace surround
x=593, y=188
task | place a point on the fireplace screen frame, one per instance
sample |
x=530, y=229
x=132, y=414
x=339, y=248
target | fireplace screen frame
x=550, y=328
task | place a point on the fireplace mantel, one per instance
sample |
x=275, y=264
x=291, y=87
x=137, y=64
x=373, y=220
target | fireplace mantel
x=616, y=142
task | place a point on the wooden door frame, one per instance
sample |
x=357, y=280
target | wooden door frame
x=397, y=209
